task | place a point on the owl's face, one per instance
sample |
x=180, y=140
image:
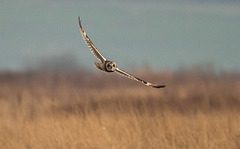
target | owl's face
x=111, y=66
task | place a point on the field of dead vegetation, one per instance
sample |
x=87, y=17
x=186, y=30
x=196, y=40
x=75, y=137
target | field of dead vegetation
x=106, y=111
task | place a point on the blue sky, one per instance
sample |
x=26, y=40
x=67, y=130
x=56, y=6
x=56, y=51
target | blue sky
x=165, y=35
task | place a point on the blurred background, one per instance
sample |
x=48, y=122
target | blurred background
x=161, y=35
x=52, y=96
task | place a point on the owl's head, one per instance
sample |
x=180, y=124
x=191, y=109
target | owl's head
x=111, y=66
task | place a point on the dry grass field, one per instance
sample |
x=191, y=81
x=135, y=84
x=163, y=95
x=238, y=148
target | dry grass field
x=100, y=111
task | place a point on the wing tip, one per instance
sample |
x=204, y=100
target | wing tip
x=79, y=22
x=159, y=86
x=153, y=85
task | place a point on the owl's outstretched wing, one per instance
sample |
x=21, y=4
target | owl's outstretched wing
x=125, y=74
x=92, y=47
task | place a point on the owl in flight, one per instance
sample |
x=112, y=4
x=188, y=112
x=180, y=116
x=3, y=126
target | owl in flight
x=109, y=66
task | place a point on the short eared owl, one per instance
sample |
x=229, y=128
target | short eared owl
x=109, y=66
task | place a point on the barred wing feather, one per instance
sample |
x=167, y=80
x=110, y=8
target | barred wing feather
x=125, y=74
x=92, y=47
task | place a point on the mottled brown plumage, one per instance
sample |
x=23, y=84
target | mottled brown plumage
x=109, y=66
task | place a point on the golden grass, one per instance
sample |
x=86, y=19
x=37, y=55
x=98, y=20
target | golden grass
x=74, y=111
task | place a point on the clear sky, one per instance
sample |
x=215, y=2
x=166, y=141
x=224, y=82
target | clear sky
x=161, y=34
